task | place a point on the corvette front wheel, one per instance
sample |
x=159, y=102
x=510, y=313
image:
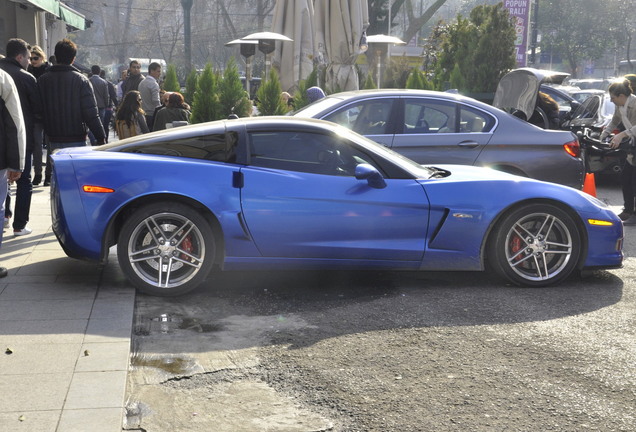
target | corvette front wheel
x=535, y=245
x=166, y=249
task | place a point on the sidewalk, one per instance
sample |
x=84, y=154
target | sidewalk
x=65, y=328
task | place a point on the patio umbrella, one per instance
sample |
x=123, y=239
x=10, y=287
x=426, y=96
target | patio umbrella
x=340, y=26
x=295, y=61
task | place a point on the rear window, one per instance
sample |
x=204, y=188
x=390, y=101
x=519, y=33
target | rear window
x=213, y=147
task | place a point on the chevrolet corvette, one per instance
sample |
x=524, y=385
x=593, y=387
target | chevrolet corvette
x=292, y=193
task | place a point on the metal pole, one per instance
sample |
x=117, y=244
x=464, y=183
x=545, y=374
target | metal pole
x=534, y=33
x=187, y=6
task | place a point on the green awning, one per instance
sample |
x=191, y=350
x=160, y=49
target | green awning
x=71, y=17
x=51, y=6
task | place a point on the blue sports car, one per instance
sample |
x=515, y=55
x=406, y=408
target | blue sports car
x=291, y=193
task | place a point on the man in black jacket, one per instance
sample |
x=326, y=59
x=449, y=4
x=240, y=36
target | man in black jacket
x=12, y=140
x=68, y=103
x=134, y=78
x=15, y=64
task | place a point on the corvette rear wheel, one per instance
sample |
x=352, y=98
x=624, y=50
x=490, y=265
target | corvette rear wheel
x=166, y=249
x=535, y=245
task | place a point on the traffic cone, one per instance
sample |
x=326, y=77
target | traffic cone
x=589, y=186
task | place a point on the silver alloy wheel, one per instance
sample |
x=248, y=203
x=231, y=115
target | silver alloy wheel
x=538, y=246
x=166, y=250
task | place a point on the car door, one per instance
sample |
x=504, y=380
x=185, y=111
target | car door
x=375, y=118
x=300, y=199
x=440, y=131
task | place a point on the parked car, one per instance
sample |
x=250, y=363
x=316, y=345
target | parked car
x=434, y=127
x=591, y=83
x=588, y=121
x=290, y=193
x=582, y=95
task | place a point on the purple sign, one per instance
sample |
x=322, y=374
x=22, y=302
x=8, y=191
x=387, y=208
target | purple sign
x=519, y=11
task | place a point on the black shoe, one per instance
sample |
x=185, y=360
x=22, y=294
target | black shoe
x=3, y=272
x=47, y=183
x=624, y=215
x=37, y=179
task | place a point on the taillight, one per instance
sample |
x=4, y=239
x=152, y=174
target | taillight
x=573, y=148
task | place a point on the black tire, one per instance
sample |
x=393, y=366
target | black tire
x=535, y=245
x=166, y=249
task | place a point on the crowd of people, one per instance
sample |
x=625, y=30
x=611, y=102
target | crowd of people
x=49, y=103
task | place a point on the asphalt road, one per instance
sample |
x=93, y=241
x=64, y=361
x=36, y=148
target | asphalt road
x=389, y=351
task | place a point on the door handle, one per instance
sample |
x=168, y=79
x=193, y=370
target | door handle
x=469, y=144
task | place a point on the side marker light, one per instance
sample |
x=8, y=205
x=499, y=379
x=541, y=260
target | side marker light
x=97, y=189
x=599, y=222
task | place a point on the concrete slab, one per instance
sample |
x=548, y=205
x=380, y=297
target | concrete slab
x=15, y=310
x=40, y=331
x=40, y=359
x=93, y=420
x=104, y=356
x=33, y=392
x=96, y=390
x=30, y=421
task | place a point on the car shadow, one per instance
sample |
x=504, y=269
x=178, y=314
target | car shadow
x=301, y=308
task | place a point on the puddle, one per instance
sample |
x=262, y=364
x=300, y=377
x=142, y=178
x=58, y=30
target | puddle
x=171, y=365
x=168, y=323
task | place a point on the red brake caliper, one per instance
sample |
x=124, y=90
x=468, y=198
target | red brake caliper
x=515, y=246
x=186, y=245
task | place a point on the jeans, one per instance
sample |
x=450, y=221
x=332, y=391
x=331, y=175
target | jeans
x=23, y=193
x=38, y=134
x=3, y=193
x=91, y=136
x=108, y=115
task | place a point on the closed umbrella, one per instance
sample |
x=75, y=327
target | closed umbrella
x=295, y=61
x=339, y=27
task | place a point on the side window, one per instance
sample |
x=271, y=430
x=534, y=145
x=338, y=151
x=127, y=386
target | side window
x=472, y=120
x=306, y=152
x=365, y=117
x=425, y=115
x=588, y=108
x=214, y=147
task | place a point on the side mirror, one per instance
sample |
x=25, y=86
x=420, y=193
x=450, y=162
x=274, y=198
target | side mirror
x=371, y=175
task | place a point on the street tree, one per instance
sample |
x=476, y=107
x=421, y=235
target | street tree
x=232, y=96
x=270, y=101
x=205, y=106
x=171, y=83
x=479, y=48
x=577, y=29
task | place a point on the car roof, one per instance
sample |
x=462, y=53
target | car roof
x=208, y=127
x=318, y=106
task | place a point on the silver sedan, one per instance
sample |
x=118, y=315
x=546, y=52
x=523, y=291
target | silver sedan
x=436, y=127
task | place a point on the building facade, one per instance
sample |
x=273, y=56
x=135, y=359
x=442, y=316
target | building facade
x=39, y=22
